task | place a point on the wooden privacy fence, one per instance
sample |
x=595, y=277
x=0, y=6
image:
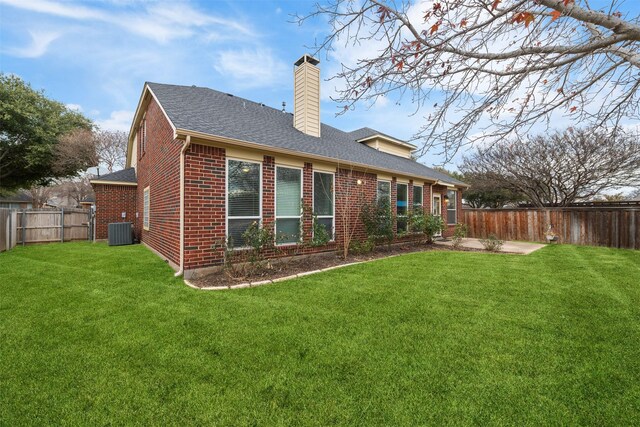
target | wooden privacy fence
x=8, y=221
x=597, y=226
x=53, y=225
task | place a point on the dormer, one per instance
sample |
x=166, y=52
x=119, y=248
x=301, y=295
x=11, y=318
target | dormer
x=389, y=145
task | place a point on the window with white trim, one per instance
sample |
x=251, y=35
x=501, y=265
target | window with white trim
x=244, y=199
x=323, y=200
x=384, y=191
x=142, y=133
x=288, y=204
x=417, y=197
x=452, y=204
x=145, y=209
x=402, y=193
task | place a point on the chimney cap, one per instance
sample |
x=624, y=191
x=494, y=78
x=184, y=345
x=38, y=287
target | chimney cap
x=306, y=58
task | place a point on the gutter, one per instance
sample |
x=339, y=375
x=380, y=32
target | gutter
x=185, y=147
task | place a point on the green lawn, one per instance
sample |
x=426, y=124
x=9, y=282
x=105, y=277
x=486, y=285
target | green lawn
x=96, y=335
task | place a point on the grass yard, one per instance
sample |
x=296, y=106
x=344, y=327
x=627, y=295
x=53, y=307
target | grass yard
x=96, y=335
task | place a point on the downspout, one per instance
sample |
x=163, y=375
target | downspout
x=185, y=147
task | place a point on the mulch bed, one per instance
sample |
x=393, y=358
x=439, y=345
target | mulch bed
x=276, y=268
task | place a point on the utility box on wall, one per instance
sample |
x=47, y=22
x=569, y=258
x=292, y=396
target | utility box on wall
x=120, y=233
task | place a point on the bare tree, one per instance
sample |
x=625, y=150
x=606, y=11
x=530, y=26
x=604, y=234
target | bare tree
x=634, y=194
x=39, y=195
x=489, y=68
x=351, y=190
x=75, y=151
x=112, y=149
x=561, y=168
x=77, y=189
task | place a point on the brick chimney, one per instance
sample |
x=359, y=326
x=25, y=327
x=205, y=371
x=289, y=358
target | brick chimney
x=306, y=95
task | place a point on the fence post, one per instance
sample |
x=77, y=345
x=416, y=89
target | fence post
x=62, y=225
x=24, y=226
x=10, y=229
x=89, y=224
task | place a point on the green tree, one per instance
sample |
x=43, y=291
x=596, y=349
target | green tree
x=35, y=136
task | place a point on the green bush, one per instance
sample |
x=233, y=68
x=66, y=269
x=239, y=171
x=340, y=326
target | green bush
x=357, y=247
x=459, y=233
x=378, y=220
x=321, y=236
x=432, y=225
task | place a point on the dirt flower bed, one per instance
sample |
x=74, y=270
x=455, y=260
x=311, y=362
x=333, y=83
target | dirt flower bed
x=284, y=267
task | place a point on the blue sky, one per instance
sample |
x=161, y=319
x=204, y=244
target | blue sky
x=96, y=55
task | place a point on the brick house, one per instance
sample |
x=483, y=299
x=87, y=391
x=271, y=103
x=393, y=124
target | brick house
x=203, y=165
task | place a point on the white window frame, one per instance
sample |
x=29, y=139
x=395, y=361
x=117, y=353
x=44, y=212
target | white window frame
x=435, y=196
x=275, y=205
x=387, y=181
x=226, y=198
x=421, y=187
x=455, y=207
x=143, y=135
x=333, y=203
x=146, y=208
x=406, y=230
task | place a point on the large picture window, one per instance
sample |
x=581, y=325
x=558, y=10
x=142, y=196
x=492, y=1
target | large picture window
x=323, y=200
x=452, y=204
x=384, y=192
x=288, y=204
x=145, y=209
x=401, y=206
x=243, y=199
x=417, y=197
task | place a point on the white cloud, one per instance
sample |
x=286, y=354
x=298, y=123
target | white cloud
x=74, y=107
x=159, y=22
x=40, y=41
x=118, y=120
x=251, y=68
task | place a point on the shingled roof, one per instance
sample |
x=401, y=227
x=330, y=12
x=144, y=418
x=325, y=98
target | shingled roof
x=208, y=111
x=126, y=176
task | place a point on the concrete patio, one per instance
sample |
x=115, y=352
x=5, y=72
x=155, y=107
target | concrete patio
x=523, y=248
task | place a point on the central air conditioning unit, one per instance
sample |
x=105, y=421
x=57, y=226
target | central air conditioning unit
x=120, y=233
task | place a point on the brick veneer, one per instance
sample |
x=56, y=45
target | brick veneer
x=205, y=199
x=111, y=202
x=159, y=169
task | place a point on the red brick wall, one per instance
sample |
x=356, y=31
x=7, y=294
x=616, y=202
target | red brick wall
x=348, y=196
x=111, y=201
x=205, y=206
x=205, y=200
x=159, y=169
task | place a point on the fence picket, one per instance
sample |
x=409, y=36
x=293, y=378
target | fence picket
x=617, y=227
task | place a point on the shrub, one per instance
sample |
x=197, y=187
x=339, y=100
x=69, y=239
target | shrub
x=378, y=219
x=492, y=243
x=357, y=247
x=459, y=233
x=432, y=225
x=416, y=220
x=321, y=236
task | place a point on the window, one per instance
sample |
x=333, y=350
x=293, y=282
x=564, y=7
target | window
x=145, y=209
x=323, y=200
x=288, y=204
x=142, y=133
x=452, y=203
x=243, y=199
x=401, y=206
x=384, y=191
x=417, y=197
